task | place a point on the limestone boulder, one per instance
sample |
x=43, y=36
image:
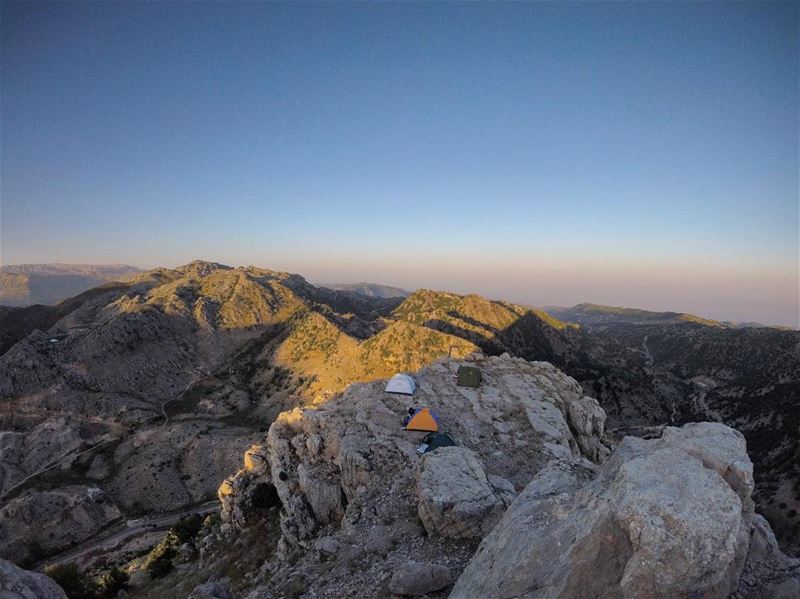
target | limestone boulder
x=455, y=498
x=587, y=421
x=237, y=493
x=357, y=497
x=660, y=519
x=256, y=460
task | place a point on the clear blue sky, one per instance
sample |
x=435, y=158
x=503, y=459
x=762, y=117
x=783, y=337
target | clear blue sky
x=641, y=154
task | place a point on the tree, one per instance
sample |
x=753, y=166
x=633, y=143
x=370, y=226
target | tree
x=69, y=577
x=112, y=582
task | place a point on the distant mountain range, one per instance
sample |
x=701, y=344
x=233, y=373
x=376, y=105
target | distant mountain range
x=369, y=289
x=27, y=284
x=597, y=315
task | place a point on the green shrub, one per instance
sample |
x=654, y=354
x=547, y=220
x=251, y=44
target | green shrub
x=112, y=582
x=161, y=566
x=187, y=528
x=69, y=577
x=159, y=561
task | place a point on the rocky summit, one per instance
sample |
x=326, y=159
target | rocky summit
x=556, y=513
x=211, y=431
x=359, y=502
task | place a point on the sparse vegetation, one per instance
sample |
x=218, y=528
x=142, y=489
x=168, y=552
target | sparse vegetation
x=80, y=585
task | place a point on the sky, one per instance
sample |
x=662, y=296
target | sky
x=548, y=153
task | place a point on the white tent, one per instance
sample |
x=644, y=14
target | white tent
x=401, y=383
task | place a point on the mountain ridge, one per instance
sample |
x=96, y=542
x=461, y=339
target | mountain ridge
x=368, y=289
x=160, y=379
x=591, y=314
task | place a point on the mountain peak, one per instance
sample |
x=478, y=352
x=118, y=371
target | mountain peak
x=201, y=268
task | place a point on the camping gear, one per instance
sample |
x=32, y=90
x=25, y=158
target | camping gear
x=423, y=419
x=433, y=441
x=468, y=376
x=401, y=383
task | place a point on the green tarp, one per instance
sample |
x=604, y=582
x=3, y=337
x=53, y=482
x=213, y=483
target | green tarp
x=468, y=376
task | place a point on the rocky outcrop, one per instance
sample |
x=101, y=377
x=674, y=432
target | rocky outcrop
x=16, y=583
x=322, y=460
x=768, y=572
x=357, y=497
x=455, y=499
x=237, y=493
x=670, y=517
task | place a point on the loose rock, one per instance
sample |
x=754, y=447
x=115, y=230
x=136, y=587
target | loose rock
x=415, y=578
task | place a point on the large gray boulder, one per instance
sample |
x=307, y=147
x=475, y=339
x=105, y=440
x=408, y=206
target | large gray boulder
x=455, y=497
x=16, y=583
x=663, y=518
x=419, y=578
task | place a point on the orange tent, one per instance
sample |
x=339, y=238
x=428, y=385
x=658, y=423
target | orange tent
x=423, y=419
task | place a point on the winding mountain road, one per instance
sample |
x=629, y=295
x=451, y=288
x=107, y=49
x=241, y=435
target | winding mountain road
x=56, y=464
x=113, y=540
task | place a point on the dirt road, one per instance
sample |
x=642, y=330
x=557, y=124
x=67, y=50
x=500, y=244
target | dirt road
x=112, y=540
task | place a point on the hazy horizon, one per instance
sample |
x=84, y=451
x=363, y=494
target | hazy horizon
x=564, y=291
x=643, y=155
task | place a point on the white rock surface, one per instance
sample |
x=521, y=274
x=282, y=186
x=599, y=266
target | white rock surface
x=322, y=460
x=455, y=499
x=663, y=518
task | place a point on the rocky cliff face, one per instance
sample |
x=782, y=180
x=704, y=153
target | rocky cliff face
x=351, y=482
